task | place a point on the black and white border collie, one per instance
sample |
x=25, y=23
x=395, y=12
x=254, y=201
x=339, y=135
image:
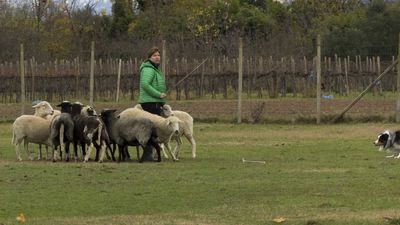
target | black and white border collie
x=389, y=141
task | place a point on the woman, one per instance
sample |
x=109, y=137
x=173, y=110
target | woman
x=152, y=89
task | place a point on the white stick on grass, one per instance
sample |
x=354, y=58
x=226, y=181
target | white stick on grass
x=252, y=161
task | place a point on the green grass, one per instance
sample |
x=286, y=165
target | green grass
x=330, y=174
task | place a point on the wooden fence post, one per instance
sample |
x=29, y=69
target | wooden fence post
x=240, y=72
x=164, y=58
x=318, y=64
x=91, y=74
x=22, y=71
x=398, y=85
x=118, y=79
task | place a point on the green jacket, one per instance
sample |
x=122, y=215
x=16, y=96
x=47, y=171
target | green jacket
x=152, y=83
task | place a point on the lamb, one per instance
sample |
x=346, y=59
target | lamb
x=165, y=127
x=31, y=128
x=86, y=129
x=185, y=128
x=132, y=131
x=61, y=130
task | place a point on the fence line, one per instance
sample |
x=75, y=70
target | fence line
x=262, y=77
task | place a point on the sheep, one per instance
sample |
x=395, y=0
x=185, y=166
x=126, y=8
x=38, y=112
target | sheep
x=132, y=131
x=165, y=127
x=31, y=128
x=86, y=129
x=40, y=110
x=89, y=111
x=185, y=128
x=61, y=130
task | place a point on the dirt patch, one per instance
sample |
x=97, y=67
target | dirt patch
x=274, y=109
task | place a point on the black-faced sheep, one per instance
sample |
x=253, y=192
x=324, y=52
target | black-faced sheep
x=61, y=130
x=88, y=129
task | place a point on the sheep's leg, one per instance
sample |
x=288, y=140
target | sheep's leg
x=47, y=152
x=62, y=141
x=83, y=150
x=17, y=151
x=120, y=150
x=112, y=150
x=163, y=151
x=128, y=156
x=75, y=151
x=103, y=147
x=40, y=152
x=108, y=148
x=170, y=152
x=178, y=146
x=138, y=152
x=67, y=152
x=27, y=150
x=98, y=150
x=89, y=152
x=55, y=153
x=158, y=150
x=193, y=143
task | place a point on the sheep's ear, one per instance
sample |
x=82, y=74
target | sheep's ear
x=40, y=104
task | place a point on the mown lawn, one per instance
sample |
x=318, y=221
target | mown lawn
x=327, y=174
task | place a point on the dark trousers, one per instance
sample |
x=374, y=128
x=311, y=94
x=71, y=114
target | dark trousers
x=154, y=108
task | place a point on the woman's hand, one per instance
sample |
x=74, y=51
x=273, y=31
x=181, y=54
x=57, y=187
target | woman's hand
x=163, y=95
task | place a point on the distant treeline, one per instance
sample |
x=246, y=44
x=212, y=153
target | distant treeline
x=52, y=29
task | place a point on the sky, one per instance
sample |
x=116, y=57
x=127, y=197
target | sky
x=100, y=4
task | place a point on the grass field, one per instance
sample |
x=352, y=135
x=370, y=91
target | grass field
x=328, y=174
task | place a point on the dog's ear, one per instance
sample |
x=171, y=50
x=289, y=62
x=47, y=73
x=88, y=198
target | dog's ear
x=383, y=137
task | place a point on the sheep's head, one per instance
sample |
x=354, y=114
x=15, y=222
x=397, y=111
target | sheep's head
x=166, y=111
x=107, y=114
x=76, y=108
x=173, y=124
x=43, y=109
x=88, y=111
x=65, y=106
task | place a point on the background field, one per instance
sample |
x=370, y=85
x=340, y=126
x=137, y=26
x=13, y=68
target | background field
x=329, y=174
x=283, y=110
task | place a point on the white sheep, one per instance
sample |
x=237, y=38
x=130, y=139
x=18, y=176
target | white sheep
x=185, y=128
x=165, y=127
x=31, y=128
x=41, y=110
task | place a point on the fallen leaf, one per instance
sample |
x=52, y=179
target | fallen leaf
x=21, y=218
x=279, y=220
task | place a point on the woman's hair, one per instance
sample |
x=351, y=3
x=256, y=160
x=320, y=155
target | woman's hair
x=152, y=51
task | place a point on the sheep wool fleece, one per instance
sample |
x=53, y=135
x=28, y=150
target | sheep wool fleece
x=152, y=83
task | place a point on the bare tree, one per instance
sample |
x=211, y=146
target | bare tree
x=39, y=7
